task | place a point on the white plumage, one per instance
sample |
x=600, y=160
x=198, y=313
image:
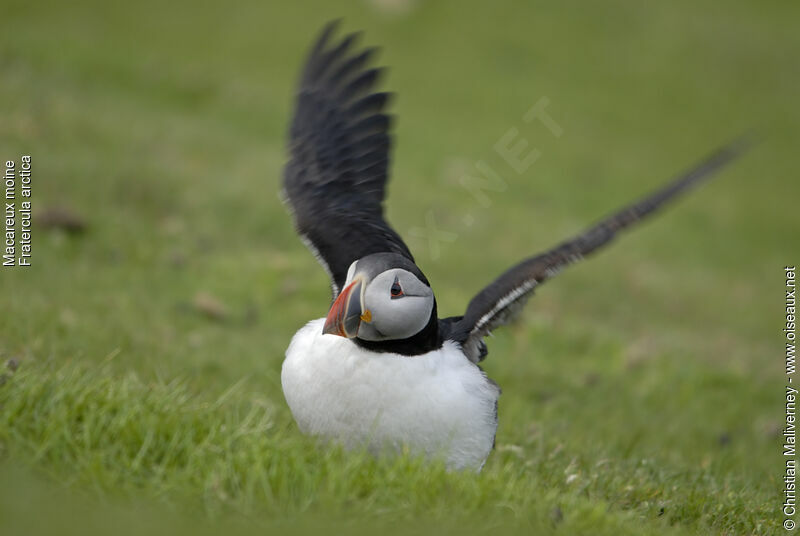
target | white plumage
x=438, y=403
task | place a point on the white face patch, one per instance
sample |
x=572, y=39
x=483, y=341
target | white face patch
x=400, y=306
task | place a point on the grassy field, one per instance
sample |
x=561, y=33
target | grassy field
x=642, y=389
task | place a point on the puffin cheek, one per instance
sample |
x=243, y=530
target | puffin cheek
x=371, y=332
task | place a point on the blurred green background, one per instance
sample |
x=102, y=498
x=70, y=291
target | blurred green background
x=642, y=389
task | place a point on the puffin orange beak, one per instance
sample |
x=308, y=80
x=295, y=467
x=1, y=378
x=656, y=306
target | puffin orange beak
x=346, y=313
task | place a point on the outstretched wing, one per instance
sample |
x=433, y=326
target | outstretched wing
x=339, y=143
x=498, y=303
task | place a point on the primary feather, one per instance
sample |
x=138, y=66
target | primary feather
x=500, y=301
x=335, y=180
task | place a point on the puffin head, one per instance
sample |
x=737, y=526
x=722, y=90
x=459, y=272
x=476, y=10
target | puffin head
x=386, y=304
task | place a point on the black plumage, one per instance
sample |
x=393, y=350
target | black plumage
x=339, y=142
x=498, y=303
x=335, y=183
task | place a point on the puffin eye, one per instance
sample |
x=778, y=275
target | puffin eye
x=397, y=290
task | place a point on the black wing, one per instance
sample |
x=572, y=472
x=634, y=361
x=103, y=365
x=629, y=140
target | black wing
x=498, y=303
x=339, y=144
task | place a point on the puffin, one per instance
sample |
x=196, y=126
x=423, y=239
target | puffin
x=382, y=371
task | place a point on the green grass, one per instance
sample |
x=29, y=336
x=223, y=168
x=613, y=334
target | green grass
x=642, y=389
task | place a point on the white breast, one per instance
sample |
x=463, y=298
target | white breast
x=438, y=403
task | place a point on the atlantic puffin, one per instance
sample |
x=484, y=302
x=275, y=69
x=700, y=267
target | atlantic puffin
x=382, y=370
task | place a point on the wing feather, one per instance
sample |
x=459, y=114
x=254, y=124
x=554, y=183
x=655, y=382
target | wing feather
x=339, y=143
x=499, y=302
